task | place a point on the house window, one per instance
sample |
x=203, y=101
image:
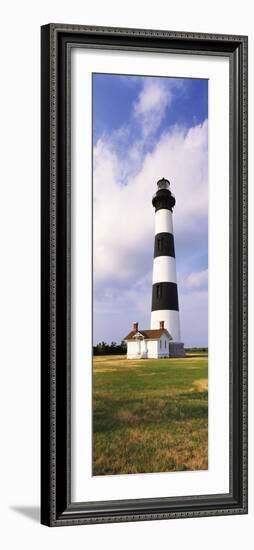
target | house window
x=160, y=343
x=165, y=344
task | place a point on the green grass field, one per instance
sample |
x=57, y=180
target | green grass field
x=150, y=415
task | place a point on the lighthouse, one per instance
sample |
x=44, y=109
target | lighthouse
x=165, y=305
x=163, y=339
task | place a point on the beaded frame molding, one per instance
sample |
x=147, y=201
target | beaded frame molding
x=56, y=506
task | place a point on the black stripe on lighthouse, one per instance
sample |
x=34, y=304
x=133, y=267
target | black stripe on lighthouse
x=164, y=245
x=165, y=296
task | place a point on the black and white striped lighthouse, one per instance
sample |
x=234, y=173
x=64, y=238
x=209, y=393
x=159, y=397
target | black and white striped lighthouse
x=165, y=305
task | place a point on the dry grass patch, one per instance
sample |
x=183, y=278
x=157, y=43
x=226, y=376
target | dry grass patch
x=201, y=385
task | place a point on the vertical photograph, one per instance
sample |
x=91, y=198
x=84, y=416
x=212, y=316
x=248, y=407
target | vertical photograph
x=150, y=274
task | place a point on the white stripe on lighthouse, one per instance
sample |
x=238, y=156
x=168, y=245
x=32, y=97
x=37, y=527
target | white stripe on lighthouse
x=163, y=221
x=164, y=269
x=171, y=321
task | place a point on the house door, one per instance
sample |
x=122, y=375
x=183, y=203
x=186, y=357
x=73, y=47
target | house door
x=169, y=349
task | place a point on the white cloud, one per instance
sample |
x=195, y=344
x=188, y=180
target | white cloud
x=123, y=214
x=196, y=280
x=152, y=102
x=194, y=318
x=135, y=297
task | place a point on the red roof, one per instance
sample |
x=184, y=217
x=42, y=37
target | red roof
x=152, y=334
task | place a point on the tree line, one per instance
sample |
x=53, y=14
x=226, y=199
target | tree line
x=110, y=349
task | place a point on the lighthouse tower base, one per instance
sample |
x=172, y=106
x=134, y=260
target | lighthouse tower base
x=176, y=349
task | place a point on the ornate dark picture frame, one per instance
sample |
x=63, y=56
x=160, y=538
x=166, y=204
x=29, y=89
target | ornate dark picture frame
x=56, y=506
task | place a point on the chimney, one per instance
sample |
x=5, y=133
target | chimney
x=135, y=327
x=162, y=324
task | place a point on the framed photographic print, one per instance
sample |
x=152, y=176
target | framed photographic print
x=144, y=275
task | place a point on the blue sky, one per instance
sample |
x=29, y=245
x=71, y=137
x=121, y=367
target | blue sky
x=145, y=128
x=114, y=96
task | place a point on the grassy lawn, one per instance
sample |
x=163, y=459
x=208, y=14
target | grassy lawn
x=150, y=415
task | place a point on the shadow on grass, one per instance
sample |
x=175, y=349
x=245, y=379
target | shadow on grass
x=112, y=414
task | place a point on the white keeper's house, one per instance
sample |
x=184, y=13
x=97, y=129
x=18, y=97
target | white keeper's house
x=150, y=344
x=163, y=339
